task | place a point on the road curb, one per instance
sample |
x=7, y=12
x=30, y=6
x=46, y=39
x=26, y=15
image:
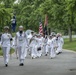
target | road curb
x=69, y=50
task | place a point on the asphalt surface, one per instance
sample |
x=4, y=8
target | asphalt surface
x=63, y=64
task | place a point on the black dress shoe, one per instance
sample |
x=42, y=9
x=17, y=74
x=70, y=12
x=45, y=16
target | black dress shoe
x=59, y=53
x=45, y=54
x=21, y=64
x=6, y=65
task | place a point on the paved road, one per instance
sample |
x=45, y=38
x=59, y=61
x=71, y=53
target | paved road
x=64, y=64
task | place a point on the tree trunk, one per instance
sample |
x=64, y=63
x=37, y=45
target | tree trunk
x=70, y=33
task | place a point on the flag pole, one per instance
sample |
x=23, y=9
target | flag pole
x=45, y=25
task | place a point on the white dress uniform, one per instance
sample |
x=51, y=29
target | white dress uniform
x=21, y=44
x=6, y=44
x=48, y=46
x=60, y=42
x=29, y=37
x=45, y=44
x=42, y=45
x=39, y=44
x=52, y=47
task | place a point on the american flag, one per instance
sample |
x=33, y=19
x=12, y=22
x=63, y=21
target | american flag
x=40, y=28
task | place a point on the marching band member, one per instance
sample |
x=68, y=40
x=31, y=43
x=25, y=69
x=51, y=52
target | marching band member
x=48, y=44
x=21, y=44
x=39, y=45
x=45, y=44
x=6, y=39
x=53, y=46
x=29, y=37
x=33, y=47
x=42, y=44
x=60, y=42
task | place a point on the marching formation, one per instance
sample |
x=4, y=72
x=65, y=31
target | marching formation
x=36, y=45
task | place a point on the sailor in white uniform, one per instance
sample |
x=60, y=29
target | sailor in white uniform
x=29, y=37
x=22, y=44
x=45, y=44
x=33, y=47
x=60, y=42
x=53, y=46
x=6, y=39
x=48, y=45
x=39, y=45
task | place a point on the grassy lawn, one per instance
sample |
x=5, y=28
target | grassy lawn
x=1, y=52
x=70, y=45
x=13, y=34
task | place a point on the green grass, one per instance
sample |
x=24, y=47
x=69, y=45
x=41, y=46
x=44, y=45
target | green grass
x=1, y=52
x=13, y=34
x=70, y=45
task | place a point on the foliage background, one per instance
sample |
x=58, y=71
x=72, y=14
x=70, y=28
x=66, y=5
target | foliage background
x=61, y=14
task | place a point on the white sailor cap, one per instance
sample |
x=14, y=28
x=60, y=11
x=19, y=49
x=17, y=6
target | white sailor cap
x=21, y=26
x=58, y=34
x=53, y=34
x=6, y=27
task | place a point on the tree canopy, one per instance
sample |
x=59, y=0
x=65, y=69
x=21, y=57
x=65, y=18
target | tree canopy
x=61, y=14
